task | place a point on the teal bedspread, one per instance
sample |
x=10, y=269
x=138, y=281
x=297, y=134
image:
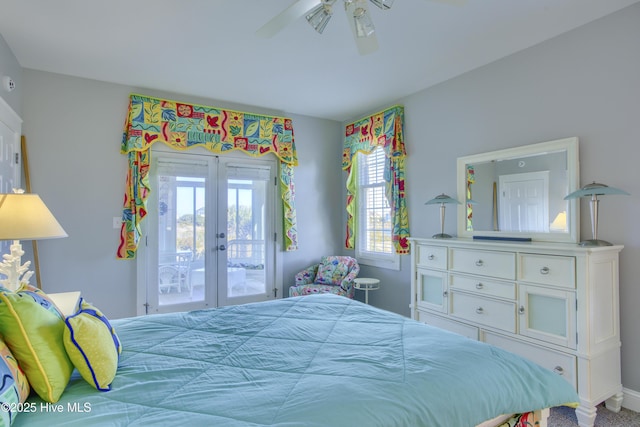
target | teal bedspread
x=320, y=360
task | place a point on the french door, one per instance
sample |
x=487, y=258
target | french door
x=210, y=238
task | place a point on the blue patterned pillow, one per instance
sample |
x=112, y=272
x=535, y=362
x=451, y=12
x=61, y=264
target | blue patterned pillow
x=14, y=387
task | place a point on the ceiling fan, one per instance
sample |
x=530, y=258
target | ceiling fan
x=319, y=12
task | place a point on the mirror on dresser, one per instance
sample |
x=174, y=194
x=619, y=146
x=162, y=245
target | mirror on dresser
x=519, y=192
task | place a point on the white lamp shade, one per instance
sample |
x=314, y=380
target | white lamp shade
x=26, y=217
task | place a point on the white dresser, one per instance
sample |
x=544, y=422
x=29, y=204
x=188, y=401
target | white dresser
x=553, y=303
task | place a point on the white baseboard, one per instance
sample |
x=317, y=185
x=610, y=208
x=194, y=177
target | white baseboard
x=631, y=399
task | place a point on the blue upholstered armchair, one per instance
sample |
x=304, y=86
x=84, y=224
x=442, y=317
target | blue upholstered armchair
x=334, y=275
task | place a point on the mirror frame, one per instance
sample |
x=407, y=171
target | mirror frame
x=573, y=178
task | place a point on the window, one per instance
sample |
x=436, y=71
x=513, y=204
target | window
x=374, y=241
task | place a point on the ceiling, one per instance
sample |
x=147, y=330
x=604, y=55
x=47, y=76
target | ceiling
x=208, y=48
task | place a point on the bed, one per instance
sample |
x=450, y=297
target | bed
x=320, y=360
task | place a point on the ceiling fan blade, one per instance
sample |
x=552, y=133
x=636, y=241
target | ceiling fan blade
x=365, y=45
x=286, y=17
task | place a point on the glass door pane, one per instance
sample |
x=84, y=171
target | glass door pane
x=248, y=226
x=547, y=314
x=431, y=290
x=181, y=238
x=178, y=233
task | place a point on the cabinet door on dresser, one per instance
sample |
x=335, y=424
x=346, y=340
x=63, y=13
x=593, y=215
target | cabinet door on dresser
x=431, y=287
x=548, y=315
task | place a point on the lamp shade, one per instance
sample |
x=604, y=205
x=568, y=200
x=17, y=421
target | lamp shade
x=594, y=189
x=26, y=217
x=442, y=198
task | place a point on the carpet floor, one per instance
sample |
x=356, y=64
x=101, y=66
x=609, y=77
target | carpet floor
x=566, y=417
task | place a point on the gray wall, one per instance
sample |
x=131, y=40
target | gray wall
x=585, y=83
x=74, y=127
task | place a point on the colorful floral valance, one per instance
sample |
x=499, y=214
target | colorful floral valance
x=183, y=126
x=383, y=129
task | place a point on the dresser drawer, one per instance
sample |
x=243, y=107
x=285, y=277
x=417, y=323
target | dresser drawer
x=560, y=363
x=432, y=256
x=483, y=286
x=501, y=265
x=486, y=311
x=548, y=270
x=448, y=324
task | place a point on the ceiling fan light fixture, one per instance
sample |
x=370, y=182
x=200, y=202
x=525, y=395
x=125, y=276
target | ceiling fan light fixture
x=364, y=24
x=319, y=16
x=383, y=4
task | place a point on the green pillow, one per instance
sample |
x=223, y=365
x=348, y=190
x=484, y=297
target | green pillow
x=32, y=329
x=14, y=387
x=92, y=345
x=41, y=298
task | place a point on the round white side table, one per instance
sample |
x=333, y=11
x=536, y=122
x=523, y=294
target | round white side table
x=366, y=284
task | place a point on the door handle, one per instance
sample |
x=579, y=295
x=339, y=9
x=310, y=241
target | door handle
x=220, y=248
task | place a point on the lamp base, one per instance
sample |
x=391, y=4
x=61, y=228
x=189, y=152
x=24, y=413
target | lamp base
x=12, y=267
x=594, y=242
x=441, y=236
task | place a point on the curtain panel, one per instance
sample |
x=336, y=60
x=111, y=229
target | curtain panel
x=471, y=178
x=183, y=126
x=384, y=129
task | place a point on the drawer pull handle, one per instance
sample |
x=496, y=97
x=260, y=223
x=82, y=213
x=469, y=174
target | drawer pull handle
x=431, y=257
x=479, y=310
x=521, y=309
x=558, y=370
x=479, y=286
x=544, y=270
x=479, y=263
x=445, y=294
